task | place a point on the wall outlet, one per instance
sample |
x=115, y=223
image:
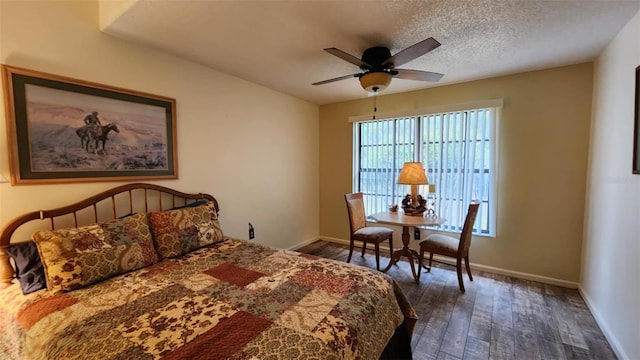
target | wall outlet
x=251, y=232
x=416, y=234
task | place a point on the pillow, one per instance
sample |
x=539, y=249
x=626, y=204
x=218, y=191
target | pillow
x=180, y=231
x=29, y=270
x=77, y=257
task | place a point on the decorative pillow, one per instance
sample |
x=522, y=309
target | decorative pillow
x=77, y=257
x=29, y=270
x=180, y=231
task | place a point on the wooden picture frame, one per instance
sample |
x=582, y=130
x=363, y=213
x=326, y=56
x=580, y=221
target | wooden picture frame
x=53, y=135
x=636, y=127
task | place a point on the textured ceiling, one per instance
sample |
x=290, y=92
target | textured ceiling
x=278, y=44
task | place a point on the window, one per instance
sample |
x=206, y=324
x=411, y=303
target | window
x=458, y=149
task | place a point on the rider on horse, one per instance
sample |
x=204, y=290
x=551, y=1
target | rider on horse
x=93, y=123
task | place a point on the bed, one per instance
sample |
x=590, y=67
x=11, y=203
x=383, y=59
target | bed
x=142, y=271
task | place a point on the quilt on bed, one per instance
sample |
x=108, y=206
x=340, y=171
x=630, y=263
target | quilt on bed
x=230, y=300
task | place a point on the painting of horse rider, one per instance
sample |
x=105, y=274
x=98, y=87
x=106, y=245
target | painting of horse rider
x=68, y=130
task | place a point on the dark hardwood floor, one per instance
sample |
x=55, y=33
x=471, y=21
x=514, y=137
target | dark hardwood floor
x=499, y=317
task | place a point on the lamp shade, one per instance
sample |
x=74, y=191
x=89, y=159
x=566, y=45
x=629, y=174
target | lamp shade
x=375, y=81
x=412, y=173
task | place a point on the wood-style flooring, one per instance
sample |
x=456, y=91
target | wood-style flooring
x=499, y=317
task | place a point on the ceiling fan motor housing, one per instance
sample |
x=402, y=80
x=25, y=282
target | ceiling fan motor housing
x=375, y=56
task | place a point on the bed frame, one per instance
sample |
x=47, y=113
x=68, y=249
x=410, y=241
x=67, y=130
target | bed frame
x=104, y=206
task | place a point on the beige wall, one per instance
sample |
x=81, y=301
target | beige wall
x=544, y=134
x=611, y=269
x=255, y=149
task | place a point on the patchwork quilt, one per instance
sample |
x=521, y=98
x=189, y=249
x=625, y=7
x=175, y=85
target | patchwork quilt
x=229, y=300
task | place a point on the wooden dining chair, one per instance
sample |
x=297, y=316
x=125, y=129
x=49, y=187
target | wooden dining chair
x=361, y=232
x=451, y=247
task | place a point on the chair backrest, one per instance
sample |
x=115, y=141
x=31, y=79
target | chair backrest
x=467, y=229
x=355, y=207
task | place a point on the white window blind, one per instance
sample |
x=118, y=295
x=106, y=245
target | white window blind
x=458, y=149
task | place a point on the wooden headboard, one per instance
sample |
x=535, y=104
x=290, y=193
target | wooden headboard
x=104, y=206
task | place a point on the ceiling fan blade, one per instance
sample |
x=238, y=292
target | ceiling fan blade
x=336, y=79
x=412, y=52
x=348, y=58
x=418, y=75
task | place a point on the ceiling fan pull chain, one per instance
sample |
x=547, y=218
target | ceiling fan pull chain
x=375, y=104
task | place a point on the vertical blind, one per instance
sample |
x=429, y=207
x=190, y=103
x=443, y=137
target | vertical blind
x=458, y=150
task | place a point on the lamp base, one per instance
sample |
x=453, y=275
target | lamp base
x=414, y=206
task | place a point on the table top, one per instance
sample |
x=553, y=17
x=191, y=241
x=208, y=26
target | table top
x=406, y=220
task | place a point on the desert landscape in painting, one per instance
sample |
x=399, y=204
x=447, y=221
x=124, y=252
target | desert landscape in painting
x=140, y=144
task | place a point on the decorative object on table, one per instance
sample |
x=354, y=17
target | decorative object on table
x=413, y=174
x=63, y=130
x=451, y=247
x=393, y=208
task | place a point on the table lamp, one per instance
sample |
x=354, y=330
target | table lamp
x=413, y=174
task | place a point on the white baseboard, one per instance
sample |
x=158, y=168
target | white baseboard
x=476, y=266
x=615, y=344
x=302, y=244
x=526, y=276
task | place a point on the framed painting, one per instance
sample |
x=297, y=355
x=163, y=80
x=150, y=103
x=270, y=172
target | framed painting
x=64, y=130
x=636, y=127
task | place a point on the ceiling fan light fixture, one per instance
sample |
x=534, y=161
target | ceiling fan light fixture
x=375, y=81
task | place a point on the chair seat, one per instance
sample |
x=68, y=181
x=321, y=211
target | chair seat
x=442, y=244
x=373, y=233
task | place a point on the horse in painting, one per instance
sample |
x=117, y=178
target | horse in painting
x=87, y=134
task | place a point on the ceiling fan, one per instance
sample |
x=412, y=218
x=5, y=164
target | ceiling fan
x=378, y=66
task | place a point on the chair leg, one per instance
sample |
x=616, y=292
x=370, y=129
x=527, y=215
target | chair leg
x=390, y=254
x=466, y=263
x=350, y=251
x=430, y=261
x=459, y=271
x=377, y=249
x=364, y=248
x=420, y=261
